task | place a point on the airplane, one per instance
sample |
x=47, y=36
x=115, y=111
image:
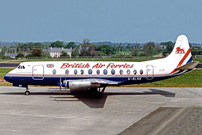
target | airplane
x=96, y=76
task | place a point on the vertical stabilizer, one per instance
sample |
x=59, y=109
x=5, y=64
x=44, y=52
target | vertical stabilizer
x=181, y=53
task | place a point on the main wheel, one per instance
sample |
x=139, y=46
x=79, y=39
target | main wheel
x=27, y=93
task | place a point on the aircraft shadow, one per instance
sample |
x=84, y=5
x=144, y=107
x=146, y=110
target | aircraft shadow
x=151, y=92
x=84, y=96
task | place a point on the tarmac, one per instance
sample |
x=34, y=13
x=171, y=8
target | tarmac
x=122, y=110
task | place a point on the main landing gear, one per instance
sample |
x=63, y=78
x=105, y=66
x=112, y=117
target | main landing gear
x=96, y=92
x=27, y=91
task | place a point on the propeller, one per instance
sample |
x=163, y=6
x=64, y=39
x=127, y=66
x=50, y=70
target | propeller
x=60, y=84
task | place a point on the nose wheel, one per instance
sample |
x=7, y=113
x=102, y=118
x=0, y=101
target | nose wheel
x=27, y=92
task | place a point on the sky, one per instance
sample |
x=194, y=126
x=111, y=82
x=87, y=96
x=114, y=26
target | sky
x=100, y=20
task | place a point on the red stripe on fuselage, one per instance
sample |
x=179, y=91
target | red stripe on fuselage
x=182, y=60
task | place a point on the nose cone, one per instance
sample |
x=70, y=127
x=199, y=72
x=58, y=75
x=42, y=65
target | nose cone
x=8, y=78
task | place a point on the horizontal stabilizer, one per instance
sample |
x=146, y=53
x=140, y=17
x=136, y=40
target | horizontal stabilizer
x=190, y=65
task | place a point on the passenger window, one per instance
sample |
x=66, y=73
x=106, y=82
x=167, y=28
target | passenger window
x=112, y=71
x=54, y=71
x=90, y=71
x=98, y=71
x=128, y=71
x=134, y=72
x=105, y=71
x=121, y=72
x=23, y=67
x=141, y=71
x=82, y=71
x=66, y=71
x=75, y=71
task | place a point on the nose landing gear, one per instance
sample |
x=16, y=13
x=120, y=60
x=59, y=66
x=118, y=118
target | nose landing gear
x=27, y=91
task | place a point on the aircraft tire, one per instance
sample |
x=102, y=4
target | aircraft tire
x=27, y=93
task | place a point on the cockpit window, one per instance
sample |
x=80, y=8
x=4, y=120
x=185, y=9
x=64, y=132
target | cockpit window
x=21, y=67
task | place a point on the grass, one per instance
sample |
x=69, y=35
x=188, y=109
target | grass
x=191, y=79
x=198, y=59
x=4, y=71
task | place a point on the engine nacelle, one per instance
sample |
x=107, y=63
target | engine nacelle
x=80, y=84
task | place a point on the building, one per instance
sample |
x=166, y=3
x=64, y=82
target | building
x=163, y=46
x=56, y=52
x=13, y=55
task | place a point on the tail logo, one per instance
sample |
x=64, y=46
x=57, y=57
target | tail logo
x=179, y=50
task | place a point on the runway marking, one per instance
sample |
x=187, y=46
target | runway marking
x=169, y=121
x=193, y=92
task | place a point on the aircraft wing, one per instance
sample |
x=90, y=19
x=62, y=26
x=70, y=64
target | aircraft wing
x=84, y=83
x=103, y=82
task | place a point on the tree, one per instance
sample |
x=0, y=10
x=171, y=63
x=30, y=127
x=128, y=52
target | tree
x=29, y=56
x=158, y=48
x=149, y=48
x=165, y=53
x=64, y=54
x=106, y=49
x=84, y=53
x=3, y=51
x=57, y=44
x=75, y=53
x=169, y=45
x=84, y=48
x=20, y=55
x=36, y=52
x=46, y=54
x=70, y=44
x=190, y=45
x=128, y=46
x=134, y=52
x=91, y=50
x=120, y=47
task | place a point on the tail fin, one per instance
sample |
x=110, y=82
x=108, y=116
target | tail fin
x=181, y=53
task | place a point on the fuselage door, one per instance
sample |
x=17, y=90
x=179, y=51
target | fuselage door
x=38, y=72
x=150, y=72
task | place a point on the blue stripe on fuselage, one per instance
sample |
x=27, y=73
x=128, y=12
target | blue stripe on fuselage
x=52, y=81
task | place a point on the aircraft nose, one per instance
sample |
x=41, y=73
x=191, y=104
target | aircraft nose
x=8, y=78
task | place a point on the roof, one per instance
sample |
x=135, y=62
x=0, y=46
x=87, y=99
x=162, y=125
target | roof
x=57, y=50
x=11, y=55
